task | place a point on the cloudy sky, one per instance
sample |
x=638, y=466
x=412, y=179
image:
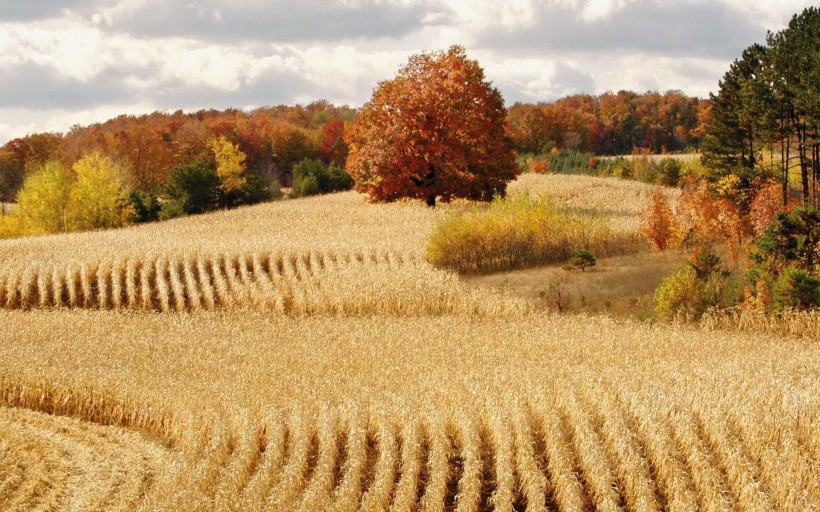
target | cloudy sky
x=82, y=61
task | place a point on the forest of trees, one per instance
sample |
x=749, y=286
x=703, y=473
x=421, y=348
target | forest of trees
x=272, y=141
x=275, y=139
x=765, y=120
x=611, y=123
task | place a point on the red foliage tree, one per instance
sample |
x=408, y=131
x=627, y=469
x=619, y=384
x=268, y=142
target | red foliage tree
x=659, y=222
x=332, y=148
x=436, y=130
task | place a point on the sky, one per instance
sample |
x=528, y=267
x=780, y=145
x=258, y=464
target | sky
x=83, y=61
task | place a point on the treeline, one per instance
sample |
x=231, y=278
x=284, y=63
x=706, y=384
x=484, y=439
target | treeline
x=765, y=121
x=611, y=123
x=271, y=139
x=275, y=139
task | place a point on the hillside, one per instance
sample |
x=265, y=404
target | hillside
x=302, y=355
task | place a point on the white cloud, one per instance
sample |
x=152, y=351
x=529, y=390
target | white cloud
x=81, y=61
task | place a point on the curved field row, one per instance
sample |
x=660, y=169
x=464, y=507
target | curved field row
x=575, y=454
x=57, y=463
x=433, y=413
x=310, y=282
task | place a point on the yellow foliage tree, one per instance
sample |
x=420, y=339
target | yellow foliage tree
x=44, y=199
x=230, y=163
x=99, y=197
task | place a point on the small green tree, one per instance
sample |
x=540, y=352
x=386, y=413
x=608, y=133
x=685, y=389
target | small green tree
x=581, y=259
x=797, y=288
x=99, y=198
x=312, y=177
x=669, y=172
x=44, y=199
x=790, y=240
x=145, y=206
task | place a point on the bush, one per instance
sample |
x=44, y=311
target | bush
x=305, y=186
x=254, y=189
x=10, y=226
x=518, y=232
x=797, y=289
x=581, y=259
x=699, y=286
x=311, y=177
x=684, y=295
x=172, y=209
x=569, y=162
x=680, y=294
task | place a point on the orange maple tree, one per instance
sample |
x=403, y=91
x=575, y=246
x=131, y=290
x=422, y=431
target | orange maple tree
x=434, y=131
x=659, y=222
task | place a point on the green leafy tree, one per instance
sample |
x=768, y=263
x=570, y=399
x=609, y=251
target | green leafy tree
x=145, y=206
x=312, y=177
x=669, y=172
x=194, y=187
x=100, y=195
x=796, y=288
x=792, y=239
x=43, y=201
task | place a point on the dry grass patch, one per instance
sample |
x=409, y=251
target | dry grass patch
x=521, y=231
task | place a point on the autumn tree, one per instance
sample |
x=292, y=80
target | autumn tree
x=436, y=130
x=332, y=148
x=659, y=222
x=44, y=199
x=230, y=163
x=99, y=196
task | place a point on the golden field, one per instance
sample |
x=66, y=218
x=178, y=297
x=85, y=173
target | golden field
x=302, y=355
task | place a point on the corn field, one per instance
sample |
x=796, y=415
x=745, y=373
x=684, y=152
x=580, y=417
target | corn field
x=275, y=373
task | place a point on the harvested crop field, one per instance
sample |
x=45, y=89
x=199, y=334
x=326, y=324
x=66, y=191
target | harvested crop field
x=334, y=369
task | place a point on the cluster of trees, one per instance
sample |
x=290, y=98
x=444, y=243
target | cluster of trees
x=272, y=139
x=176, y=164
x=92, y=194
x=611, y=123
x=773, y=250
x=765, y=120
x=668, y=171
x=762, y=142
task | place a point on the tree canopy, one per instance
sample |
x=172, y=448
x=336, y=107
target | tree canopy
x=434, y=131
x=765, y=120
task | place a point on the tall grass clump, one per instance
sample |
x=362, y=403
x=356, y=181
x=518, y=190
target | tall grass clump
x=518, y=232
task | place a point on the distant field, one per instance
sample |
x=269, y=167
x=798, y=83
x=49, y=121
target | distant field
x=302, y=355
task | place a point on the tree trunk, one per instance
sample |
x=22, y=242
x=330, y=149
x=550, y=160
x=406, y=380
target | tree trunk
x=431, y=201
x=816, y=173
x=804, y=165
x=784, y=156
